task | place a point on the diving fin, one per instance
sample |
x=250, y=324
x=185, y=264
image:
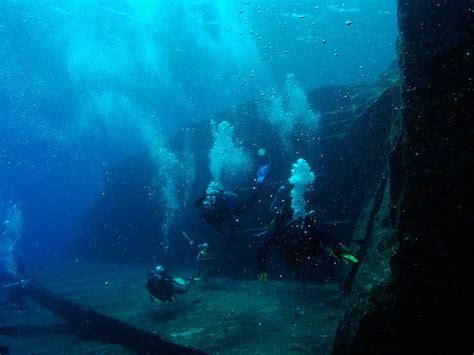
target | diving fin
x=179, y=280
x=262, y=173
x=350, y=258
x=262, y=277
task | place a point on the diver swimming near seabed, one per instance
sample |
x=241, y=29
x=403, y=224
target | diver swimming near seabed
x=164, y=287
x=206, y=261
x=205, y=257
x=221, y=209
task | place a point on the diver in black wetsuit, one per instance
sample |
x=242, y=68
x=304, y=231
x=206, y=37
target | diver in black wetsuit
x=162, y=286
x=221, y=209
x=297, y=240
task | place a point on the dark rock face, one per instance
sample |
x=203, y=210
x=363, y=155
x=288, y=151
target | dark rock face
x=410, y=294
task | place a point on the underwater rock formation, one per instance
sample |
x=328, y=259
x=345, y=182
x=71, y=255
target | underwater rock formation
x=348, y=158
x=409, y=294
x=347, y=154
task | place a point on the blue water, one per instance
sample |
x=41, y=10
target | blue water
x=84, y=84
x=88, y=88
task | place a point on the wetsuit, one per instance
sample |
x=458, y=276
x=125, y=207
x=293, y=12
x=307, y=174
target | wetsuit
x=293, y=244
x=296, y=240
x=224, y=213
x=162, y=286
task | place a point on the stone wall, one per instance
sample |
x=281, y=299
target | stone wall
x=410, y=294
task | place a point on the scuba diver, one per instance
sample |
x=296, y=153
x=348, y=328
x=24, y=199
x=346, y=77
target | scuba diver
x=203, y=251
x=205, y=260
x=221, y=209
x=163, y=286
x=298, y=240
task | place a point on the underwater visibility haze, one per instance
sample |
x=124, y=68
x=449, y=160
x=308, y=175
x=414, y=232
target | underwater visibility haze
x=209, y=176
